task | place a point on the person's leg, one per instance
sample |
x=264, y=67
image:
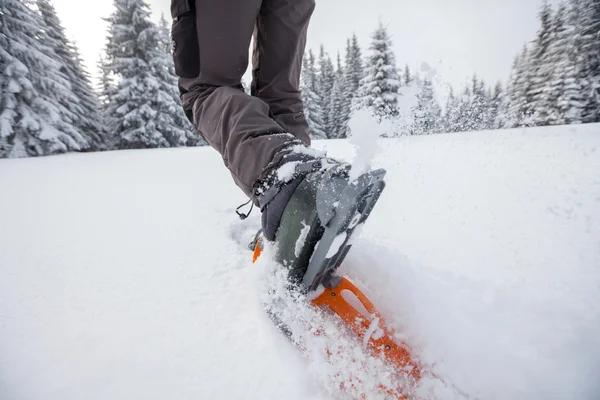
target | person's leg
x=235, y=124
x=279, y=43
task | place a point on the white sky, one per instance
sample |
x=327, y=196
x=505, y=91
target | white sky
x=456, y=37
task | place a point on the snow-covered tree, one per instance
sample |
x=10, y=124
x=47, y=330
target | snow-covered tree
x=541, y=70
x=32, y=119
x=339, y=108
x=520, y=81
x=165, y=34
x=408, y=78
x=548, y=109
x=325, y=87
x=464, y=119
x=570, y=72
x=82, y=103
x=106, y=89
x=479, y=105
x=145, y=109
x=354, y=70
x=450, y=117
x=379, y=87
x=589, y=42
x=310, y=97
x=427, y=113
x=496, y=117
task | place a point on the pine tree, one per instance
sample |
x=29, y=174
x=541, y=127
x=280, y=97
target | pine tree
x=32, y=121
x=520, y=81
x=165, y=34
x=145, y=109
x=548, y=110
x=451, y=113
x=325, y=88
x=496, y=116
x=310, y=97
x=427, y=113
x=354, y=71
x=408, y=79
x=81, y=102
x=589, y=21
x=5, y=123
x=379, y=88
x=106, y=89
x=464, y=120
x=571, y=101
x=339, y=109
x=479, y=105
x=540, y=69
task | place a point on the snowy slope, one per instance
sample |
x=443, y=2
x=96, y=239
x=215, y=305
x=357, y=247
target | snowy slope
x=121, y=275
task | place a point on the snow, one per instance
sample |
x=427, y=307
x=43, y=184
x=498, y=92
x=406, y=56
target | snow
x=286, y=172
x=365, y=130
x=126, y=275
x=301, y=239
x=338, y=241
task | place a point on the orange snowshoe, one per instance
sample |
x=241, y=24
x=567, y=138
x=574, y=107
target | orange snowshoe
x=312, y=248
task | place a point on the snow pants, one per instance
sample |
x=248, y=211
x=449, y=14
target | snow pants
x=211, y=40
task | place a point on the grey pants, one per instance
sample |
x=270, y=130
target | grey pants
x=252, y=133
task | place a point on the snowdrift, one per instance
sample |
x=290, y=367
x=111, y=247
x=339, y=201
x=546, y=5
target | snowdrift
x=124, y=275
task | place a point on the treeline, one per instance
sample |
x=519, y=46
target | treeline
x=332, y=92
x=48, y=104
x=555, y=80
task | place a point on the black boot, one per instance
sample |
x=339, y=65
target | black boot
x=317, y=203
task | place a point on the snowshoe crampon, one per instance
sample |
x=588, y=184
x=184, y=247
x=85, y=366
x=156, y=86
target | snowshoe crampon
x=352, y=206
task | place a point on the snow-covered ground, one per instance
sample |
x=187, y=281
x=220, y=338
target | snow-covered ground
x=122, y=275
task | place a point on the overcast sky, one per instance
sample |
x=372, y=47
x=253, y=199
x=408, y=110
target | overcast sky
x=455, y=37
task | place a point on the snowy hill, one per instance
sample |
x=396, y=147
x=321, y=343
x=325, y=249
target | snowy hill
x=121, y=275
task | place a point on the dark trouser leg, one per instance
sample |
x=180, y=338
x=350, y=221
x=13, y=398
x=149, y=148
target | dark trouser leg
x=279, y=43
x=235, y=124
x=239, y=127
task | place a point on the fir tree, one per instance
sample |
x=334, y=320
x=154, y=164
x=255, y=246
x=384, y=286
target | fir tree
x=496, y=117
x=464, y=121
x=32, y=121
x=427, y=113
x=541, y=70
x=325, y=88
x=339, y=110
x=548, y=109
x=354, y=71
x=571, y=69
x=106, y=89
x=379, y=88
x=145, y=109
x=589, y=21
x=519, y=83
x=479, y=105
x=408, y=79
x=165, y=34
x=450, y=120
x=310, y=97
x=81, y=102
